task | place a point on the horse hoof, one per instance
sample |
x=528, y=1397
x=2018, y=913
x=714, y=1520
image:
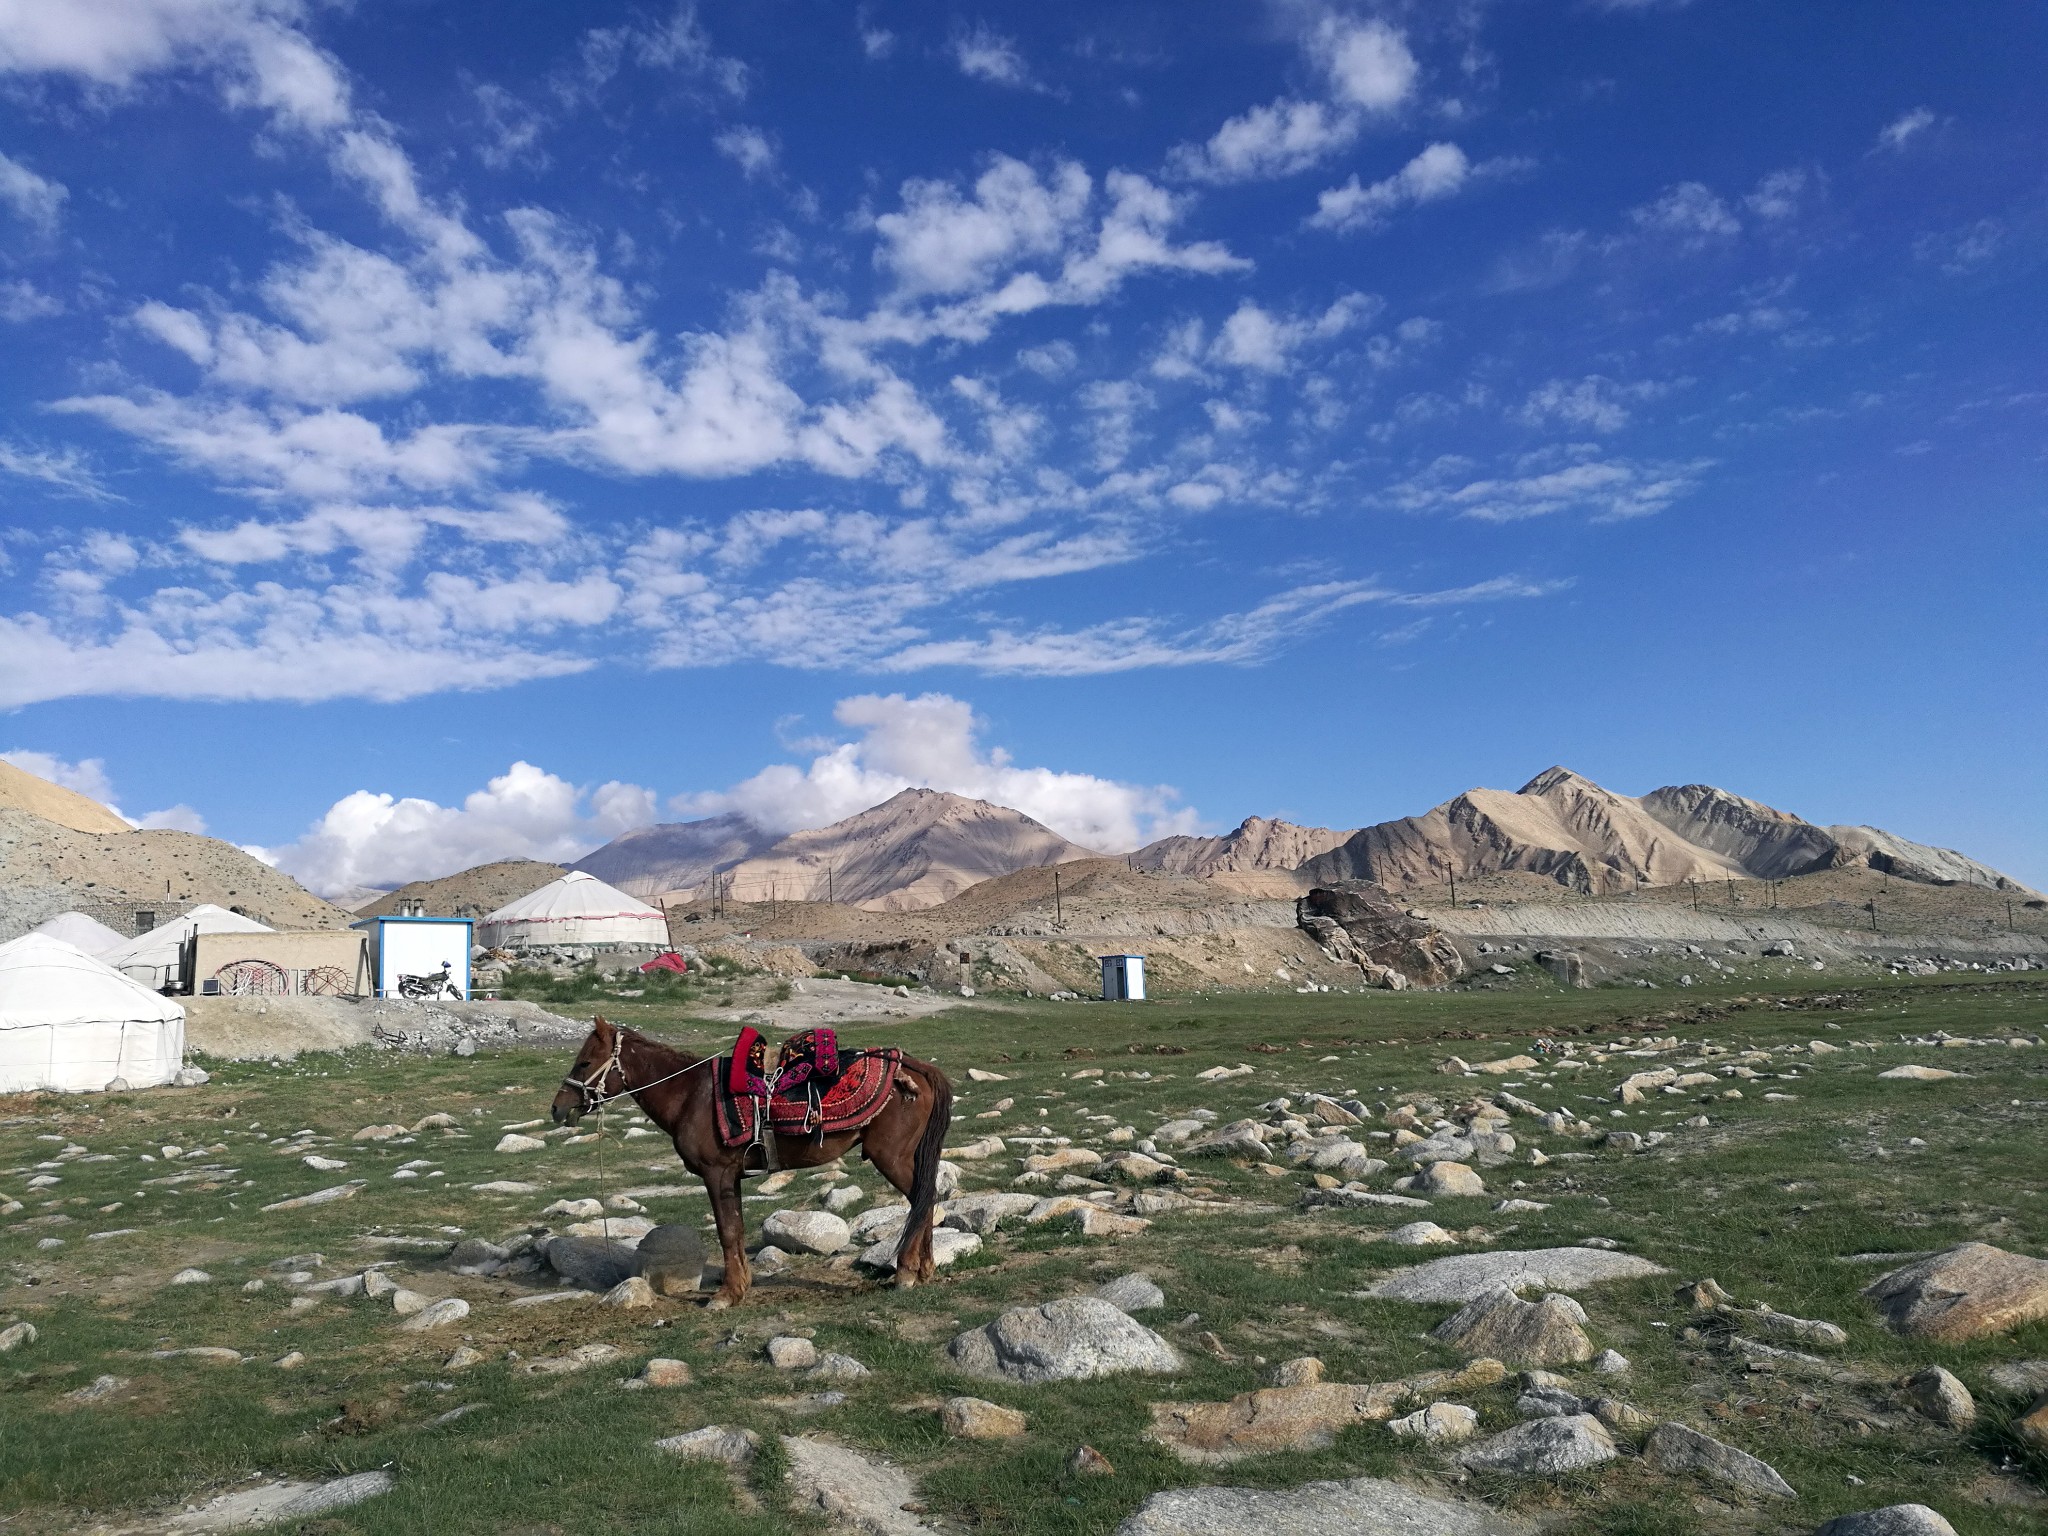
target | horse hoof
x=905, y=1282
x=718, y=1304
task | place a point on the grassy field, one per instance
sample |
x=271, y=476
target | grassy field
x=1769, y=1199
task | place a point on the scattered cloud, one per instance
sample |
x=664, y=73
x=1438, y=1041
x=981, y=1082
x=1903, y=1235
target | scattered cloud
x=1439, y=171
x=1905, y=128
x=1689, y=212
x=88, y=777
x=34, y=199
x=64, y=470
x=1576, y=478
x=748, y=148
x=21, y=301
x=982, y=53
x=1261, y=341
x=1593, y=404
x=1279, y=139
x=1959, y=252
x=1368, y=62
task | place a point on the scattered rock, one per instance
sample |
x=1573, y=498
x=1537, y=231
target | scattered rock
x=449, y=1309
x=1610, y=1362
x=1304, y=1418
x=318, y=1197
x=209, y=1354
x=591, y=1266
x=1893, y=1520
x=1419, y=1234
x=1362, y=1506
x=715, y=1442
x=278, y=1504
x=1075, y=1338
x=1503, y=1326
x=463, y=1358
x=861, y=1492
x=14, y=1335
x=833, y=1366
x=2022, y=1378
x=974, y=1418
x=1134, y=1292
x=807, y=1232
x=1087, y=1461
x=1968, y=1292
x=1941, y=1397
x=788, y=1352
x=1450, y=1179
x=1091, y=1220
x=843, y=1197
x=630, y=1294
x=672, y=1259
x=1465, y=1276
x=1918, y=1074
x=99, y=1387
x=581, y=1358
x=663, y=1372
x=1301, y=1371
x=1438, y=1424
x=1673, y=1448
x=512, y=1141
x=1544, y=1447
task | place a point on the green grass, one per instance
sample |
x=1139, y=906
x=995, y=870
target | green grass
x=1766, y=1201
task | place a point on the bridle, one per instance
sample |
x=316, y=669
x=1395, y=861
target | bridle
x=591, y=1084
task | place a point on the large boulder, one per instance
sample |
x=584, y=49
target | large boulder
x=1305, y=1418
x=1673, y=1448
x=1970, y=1292
x=1361, y=1506
x=1466, y=1276
x=672, y=1259
x=807, y=1232
x=1362, y=925
x=1072, y=1339
x=1892, y=1520
x=851, y=1491
x=1503, y=1326
x=1544, y=1447
x=591, y=1265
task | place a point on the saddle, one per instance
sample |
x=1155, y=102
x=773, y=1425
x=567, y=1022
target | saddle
x=814, y=1089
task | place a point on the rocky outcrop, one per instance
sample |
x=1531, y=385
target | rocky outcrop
x=1360, y=925
x=1257, y=843
x=1969, y=1292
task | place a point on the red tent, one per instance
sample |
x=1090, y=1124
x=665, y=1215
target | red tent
x=667, y=960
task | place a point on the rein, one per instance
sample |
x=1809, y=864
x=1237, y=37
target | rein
x=595, y=1098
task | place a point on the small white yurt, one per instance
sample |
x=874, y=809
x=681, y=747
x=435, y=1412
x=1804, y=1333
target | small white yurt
x=75, y=1024
x=82, y=932
x=577, y=909
x=152, y=958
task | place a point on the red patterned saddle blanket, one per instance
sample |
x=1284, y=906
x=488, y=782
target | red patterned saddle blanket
x=813, y=1089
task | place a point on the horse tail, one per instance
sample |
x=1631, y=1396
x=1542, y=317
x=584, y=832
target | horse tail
x=931, y=1144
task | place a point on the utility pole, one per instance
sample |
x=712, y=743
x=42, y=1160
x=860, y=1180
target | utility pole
x=829, y=897
x=1059, y=917
x=2008, y=914
x=1695, y=894
x=1454, y=884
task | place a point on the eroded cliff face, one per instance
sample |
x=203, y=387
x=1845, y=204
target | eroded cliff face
x=1256, y=843
x=1361, y=925
x=1765, y=844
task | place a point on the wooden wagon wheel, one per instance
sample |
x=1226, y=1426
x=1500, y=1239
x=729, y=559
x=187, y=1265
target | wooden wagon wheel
x=253, y=978
x=326, y=981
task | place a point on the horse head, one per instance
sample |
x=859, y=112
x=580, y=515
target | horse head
x=596, y=1076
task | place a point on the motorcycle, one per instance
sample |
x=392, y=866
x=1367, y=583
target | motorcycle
x=431, y=987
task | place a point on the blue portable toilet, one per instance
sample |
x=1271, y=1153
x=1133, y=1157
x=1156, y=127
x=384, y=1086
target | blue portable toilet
x=1123, y=978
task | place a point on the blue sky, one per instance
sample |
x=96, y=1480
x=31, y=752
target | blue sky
x=430, y=432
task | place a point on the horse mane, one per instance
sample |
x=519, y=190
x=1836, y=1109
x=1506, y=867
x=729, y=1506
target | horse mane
x=664, y=1055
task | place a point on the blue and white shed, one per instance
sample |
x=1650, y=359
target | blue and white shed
x=1123, y=978
x=424, y=958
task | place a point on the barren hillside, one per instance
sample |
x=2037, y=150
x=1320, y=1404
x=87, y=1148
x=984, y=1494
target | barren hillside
x=916, y=849
x=46, y=869
x=676, y=857
x=472, y=893
x=1256, y=844
x=21, y=790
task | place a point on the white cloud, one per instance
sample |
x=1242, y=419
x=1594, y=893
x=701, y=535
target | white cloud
x=877, y=42
x=678, y=45
x=932, y=742
x=1779, y=195
x=64, y=470
x=1902, y=130
x=985, y=54
x=1572, y=479
x=35, y=199
x=748, y=148
x=1257, y=339
x=1439, y=171
x=943, y=243
x=1278, y=139
x=1594, y=403
x=377, y=839
x=1368, y=62
x=1689, y=212
x=21, y=301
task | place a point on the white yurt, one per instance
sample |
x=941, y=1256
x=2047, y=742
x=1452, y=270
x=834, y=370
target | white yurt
x=82, y=932
x=576, y=909
x=75, y=1024
x=152, y=958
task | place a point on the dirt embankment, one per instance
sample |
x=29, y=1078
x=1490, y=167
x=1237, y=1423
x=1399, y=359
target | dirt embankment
x=278, y=1028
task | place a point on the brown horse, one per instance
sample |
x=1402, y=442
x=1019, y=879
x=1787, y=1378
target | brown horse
x=904, y=1141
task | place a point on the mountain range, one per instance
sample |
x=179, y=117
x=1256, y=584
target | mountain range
x=922, y=847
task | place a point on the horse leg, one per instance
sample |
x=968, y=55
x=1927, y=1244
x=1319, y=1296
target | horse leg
x=722, y=1183
x=891, y=1146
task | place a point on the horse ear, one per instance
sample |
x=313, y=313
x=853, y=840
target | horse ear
x=602, y=1028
